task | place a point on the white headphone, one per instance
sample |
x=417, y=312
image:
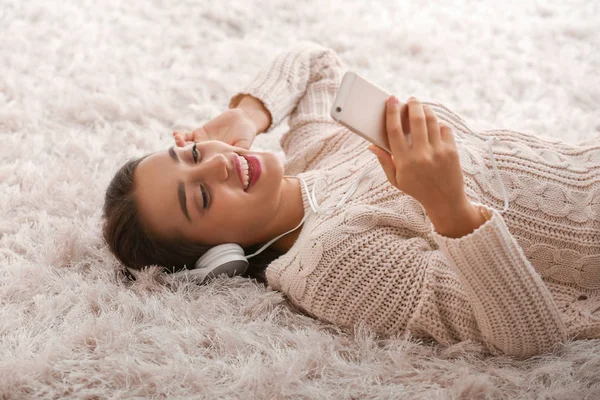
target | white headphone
x=229, y=258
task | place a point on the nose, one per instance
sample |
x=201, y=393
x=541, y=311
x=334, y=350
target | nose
x=215, y=167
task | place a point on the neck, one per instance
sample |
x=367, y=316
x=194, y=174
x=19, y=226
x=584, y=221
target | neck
x=289, y=215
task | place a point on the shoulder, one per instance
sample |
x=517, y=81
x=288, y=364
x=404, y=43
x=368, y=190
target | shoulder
x=354, y=233
x=319, y=144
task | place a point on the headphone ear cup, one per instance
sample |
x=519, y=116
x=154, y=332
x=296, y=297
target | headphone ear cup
x=228, y=259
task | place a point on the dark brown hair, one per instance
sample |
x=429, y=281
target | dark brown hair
x=135, y=248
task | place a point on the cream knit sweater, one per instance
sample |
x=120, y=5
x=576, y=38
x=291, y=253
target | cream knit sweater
x=521, y=283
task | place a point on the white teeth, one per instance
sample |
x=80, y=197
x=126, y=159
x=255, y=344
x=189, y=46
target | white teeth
x=245, y=177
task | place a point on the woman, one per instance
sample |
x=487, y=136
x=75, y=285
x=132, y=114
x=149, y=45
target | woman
x=416, y=249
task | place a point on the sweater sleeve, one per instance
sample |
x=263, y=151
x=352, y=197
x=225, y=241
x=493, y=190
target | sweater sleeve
x=382, y=268
x=513, y=307
x=300, y=83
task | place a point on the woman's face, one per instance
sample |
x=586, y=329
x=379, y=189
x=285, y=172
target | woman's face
x=200, y=195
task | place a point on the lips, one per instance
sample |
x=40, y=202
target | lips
x=238, y=168
x=256, y=170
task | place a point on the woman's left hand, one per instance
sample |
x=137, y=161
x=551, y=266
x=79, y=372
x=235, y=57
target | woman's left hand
x=232, y=126
x=429, y=168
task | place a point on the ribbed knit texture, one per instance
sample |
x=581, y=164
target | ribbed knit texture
x=521, y=283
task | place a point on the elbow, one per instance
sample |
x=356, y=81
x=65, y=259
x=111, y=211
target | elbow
x=527, y=340
x=528, y=347
x=527, y=352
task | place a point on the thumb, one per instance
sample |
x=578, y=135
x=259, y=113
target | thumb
x=244, y=144
x=197, y=135
x=179, y=139
x=386, y=161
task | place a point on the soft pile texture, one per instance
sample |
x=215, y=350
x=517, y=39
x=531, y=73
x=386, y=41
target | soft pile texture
x=86, y=85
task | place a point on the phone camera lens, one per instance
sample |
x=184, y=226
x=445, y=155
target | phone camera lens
x=338, y=109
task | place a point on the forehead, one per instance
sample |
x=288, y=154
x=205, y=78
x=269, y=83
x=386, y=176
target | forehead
x=156, y=193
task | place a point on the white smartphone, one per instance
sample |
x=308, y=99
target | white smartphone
x=360, y=107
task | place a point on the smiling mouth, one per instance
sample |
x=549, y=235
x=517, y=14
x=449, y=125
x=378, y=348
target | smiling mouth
x=245, y=171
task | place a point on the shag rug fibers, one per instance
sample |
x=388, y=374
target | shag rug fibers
x=86, y=85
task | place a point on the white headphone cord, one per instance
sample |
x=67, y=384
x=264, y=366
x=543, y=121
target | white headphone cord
x=314, y=204
x=459, y=122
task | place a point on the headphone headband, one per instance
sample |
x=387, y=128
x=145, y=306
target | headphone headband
x=226, y=259
x=221, y=254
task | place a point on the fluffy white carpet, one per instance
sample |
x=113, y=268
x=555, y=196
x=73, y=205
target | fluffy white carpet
x=85, y=85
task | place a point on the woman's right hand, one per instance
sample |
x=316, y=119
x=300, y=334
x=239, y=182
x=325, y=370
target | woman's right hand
x=233, y=127
x=428, y=169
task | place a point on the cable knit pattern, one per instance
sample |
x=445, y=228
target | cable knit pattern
x=521, y=283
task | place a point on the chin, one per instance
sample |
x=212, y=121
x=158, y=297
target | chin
x=272, y=165
x=278, y=164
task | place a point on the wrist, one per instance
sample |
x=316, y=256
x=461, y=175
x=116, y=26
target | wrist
x=457, y=221
x=256, y=111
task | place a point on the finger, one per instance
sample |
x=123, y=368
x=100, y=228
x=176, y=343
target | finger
x=433, y=127
x=183, y=137
x=393, y=126
x=406, y=124
x=446, y=134
x=244, y=144
x=418, y=126
x=189, y=136
x=386, y=161
x=178, y=139
x=404, y=118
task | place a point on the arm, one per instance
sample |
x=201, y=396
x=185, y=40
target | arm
x=513, y=307
x=388, y=277
x=300, y=83
x=256, y=111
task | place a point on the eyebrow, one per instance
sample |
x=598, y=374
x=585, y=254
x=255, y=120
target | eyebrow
x=173, y=155
x=182, y=199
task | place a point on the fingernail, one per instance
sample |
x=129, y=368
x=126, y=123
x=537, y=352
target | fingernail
x=394, y=100
x=412, y=98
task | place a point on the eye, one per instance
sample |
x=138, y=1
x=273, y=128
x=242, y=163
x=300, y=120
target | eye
x=205, y=197
x=195, y=154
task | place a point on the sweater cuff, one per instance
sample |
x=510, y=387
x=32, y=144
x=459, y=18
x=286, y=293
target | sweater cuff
x=267, y=101
x=283, y=82
x=275, y=84
x=514, y=309
x=493, y=218
x=489, y=246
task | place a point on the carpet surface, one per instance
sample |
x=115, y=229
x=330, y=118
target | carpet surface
x=86, y=85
